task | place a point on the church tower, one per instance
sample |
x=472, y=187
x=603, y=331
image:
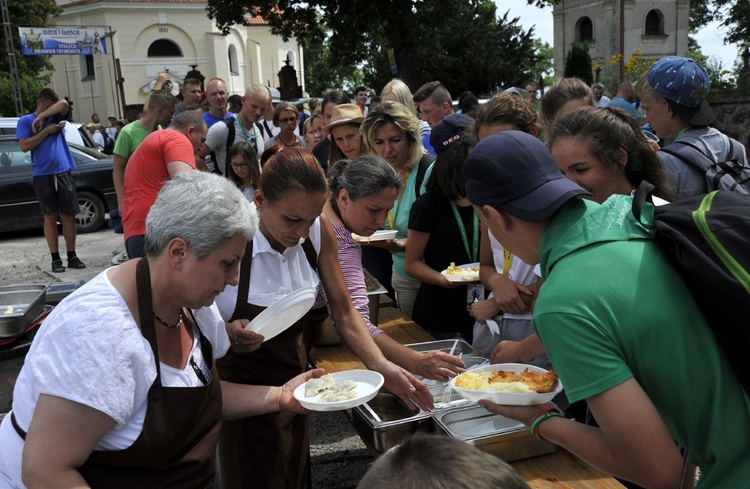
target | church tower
x=657, y=28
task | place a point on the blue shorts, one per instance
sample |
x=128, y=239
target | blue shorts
x=57, y=193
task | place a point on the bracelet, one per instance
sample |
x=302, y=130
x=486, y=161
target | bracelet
x=544, y=415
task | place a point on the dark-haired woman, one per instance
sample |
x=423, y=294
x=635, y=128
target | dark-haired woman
x=362, y=192
x=603, y=151
x=286, y=118
x=444, y=228
x=295, y=248
x=244, y=169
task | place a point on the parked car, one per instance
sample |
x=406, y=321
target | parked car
x=19, y=206
x=74, y=132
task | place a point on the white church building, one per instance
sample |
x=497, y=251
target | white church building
x=147, y=37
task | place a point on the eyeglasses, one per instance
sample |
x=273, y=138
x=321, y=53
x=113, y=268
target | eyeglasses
x=288, y=120
x=239, y=165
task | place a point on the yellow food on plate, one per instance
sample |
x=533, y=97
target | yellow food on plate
x=454, y=270
x=9, y=310
x=506, y=381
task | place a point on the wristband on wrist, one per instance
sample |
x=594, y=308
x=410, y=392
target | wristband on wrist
x=543, y=415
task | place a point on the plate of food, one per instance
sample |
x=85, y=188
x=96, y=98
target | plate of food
x=462, y=273
x=379, y=235
x=339, y=390
x=283, y=313
x=512, y=384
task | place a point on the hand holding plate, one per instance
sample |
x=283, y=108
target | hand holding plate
x=287, y=402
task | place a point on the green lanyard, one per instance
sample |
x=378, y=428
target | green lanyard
x=249, y=137
x=475, y=245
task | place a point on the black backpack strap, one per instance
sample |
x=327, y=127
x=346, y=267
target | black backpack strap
x=424, y=163
x=642, y=193
x=230, y=141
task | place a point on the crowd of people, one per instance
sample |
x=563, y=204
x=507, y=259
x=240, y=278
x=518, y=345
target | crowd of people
x=230, y=206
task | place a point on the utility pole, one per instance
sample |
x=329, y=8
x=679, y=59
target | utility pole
x=12, y=56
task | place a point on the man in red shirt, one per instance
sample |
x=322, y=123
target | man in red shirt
x=157, y=159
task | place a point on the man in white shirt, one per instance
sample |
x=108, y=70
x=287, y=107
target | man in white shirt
x=600, y=100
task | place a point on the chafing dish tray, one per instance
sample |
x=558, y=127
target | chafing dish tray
x=20, y=305
x=442, y=345
x=492, y=433
x=398, y=422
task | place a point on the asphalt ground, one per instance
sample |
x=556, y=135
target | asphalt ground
x=338, y=457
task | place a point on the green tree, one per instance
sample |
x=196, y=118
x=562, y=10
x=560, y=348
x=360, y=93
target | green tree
x=578, y=63
x=462, y=43
x=543, y=72
x=324, y=74
x=34, y=71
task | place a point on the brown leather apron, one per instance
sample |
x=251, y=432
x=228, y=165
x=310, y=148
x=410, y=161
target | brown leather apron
x=271, y=450
x=177, y=446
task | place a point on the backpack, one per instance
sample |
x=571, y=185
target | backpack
x=109, y=144
x=229, y=122
x=705, y=238
x=731, y=174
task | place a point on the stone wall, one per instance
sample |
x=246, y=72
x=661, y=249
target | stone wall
x=733, y=118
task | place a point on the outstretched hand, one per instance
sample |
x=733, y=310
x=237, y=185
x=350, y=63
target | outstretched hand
x=287, y=402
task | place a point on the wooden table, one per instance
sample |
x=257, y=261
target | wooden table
x=560, y=469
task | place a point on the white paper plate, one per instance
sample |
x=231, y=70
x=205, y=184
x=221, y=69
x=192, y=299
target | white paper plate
x=283, y=313
x=507, y=398
x=368, y=385
x=379, y=235
x=469, y=276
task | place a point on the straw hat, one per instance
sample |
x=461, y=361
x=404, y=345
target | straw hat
x=345, y=114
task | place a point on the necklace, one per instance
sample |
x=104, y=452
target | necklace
x=170, y=326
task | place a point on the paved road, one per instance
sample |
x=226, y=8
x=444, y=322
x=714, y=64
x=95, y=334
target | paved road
x=339, y=458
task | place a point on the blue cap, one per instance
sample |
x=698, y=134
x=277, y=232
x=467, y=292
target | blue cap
x=450, y=129
x=684, y=84
x=513, y=171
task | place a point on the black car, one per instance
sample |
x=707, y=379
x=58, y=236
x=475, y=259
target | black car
x=19, y=206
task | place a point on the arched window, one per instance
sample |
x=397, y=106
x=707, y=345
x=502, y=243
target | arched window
x=234, y=66
x=164, y=48
x=584, y=30
x=654, y=23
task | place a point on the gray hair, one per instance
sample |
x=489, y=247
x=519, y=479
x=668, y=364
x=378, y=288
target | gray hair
x=597, y=85
x=362, y=177
x=204, y=209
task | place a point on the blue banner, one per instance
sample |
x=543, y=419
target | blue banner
x=37, y=41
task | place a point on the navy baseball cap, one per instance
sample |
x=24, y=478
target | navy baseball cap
x=450, y=129
x=515, y=172
x=684, y=84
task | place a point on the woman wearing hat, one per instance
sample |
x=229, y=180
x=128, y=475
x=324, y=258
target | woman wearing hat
x=344, y=131
x=444, y=229
x=286, y=118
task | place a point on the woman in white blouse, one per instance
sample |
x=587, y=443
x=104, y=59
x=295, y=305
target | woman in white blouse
x=294, y=240
x=118, y=389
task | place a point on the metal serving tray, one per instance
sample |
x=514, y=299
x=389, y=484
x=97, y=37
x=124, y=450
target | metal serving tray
x=442, y=345
x=492, y=433
x=398, y=422
x=23, y=304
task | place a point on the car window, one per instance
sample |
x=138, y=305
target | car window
x=12, y=159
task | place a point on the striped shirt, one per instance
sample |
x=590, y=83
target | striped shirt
x=350, y=257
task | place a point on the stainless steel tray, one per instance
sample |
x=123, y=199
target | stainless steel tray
x=442, y=345
x=398, y=422
x=492, y=433
x=19, y=306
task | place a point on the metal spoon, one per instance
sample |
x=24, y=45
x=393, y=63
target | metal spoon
x=372, y=413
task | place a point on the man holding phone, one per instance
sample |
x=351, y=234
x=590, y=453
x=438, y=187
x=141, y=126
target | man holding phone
x=42, y=133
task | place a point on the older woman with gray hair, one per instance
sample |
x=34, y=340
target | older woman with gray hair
x=119, y=388
x=362, y=193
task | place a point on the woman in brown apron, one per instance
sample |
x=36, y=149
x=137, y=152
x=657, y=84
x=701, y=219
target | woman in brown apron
x=271, y=451
x=176, y=444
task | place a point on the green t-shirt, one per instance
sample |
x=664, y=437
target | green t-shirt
x=398, y=218
x=129, y=138
x=612, y=308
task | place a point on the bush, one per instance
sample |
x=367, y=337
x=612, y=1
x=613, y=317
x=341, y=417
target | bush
x=578, y=63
